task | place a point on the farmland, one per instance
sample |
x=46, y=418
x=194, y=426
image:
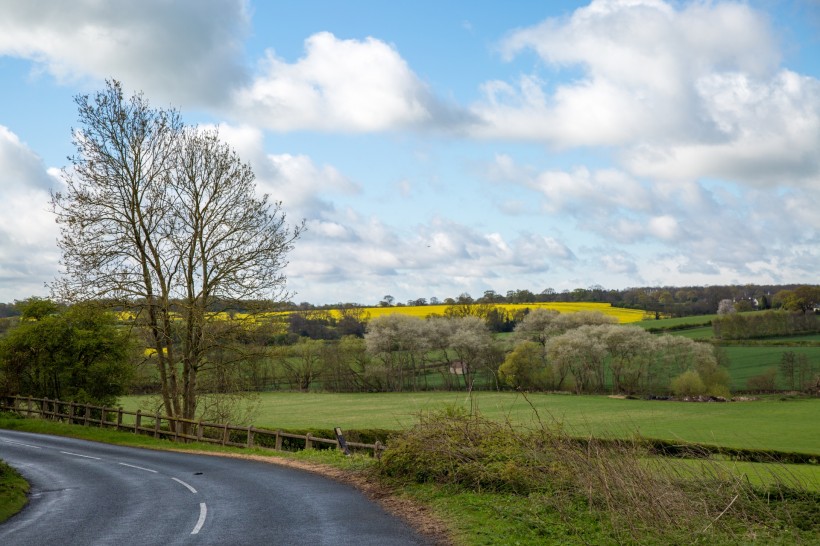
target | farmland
x=766, y=424
x=423, y=311
x=781, y=426
x=745, y=359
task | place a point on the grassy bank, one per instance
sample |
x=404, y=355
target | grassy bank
x=13, y=491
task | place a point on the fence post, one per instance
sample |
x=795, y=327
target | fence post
x=71, y=413
x=44, y=409
x=28, y=414
x=137, y=421
x=119, y=418
x=156, y=425
x=199, y=431
x=340, y=441
x=377, y=450
x=278, y=440
x=308, y=442
x=87, y=414
x=250, y=436
x=224, y=434
x=102, y=417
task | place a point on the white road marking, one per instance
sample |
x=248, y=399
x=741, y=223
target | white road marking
x=83, y=456
x=185, y=484
x=203, y=512
x=138, y=467
x=21, y=444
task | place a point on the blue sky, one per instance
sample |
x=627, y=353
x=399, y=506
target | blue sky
x=436, y=148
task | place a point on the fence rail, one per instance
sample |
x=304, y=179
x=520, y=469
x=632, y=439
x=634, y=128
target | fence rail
x=163, y=426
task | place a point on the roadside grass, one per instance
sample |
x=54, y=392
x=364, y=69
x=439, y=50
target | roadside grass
x=487, y=518
x=13, y=492
x=111, y=436
x=768, y=423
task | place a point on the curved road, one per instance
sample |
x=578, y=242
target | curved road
x=88, y=493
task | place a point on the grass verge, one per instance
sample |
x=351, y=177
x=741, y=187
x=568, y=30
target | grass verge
x=13, y=492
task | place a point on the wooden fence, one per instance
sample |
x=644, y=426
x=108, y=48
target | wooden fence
x=176, y=429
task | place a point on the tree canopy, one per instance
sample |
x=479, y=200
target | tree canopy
x=79, y=354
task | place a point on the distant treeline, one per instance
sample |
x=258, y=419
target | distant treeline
x=761, y=325
x=673, y=301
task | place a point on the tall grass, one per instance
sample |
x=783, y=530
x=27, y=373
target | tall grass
x=634, y=495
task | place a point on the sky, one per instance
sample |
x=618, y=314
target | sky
x=436, y=148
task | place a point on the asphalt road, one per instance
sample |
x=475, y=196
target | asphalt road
x=87, y=493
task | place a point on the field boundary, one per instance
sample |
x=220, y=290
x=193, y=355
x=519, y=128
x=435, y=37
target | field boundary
x=174, y=428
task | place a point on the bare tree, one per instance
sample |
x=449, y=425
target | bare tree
x=164, y=218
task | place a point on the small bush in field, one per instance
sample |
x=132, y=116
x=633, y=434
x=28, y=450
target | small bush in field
x=766, y=381
x=688, y=383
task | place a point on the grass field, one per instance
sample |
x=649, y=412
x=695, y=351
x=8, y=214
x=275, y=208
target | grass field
x=764, y=424
x=674, y=322
x=747, y=362
x=700, y=332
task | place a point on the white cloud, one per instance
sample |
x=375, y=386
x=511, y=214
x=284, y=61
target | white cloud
x=302, y=186
x=28, y=233
x=588, y=192
x=703, y=228
x=186, y=51
x=339, y=85
x=619, y=264
x=440, y=258
x=769, y=134
x=664, y=227
x=680, y=91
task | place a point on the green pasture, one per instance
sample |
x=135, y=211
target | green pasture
x=749, y=361
x=700, y=332
x=790, y=425
x=674, y=322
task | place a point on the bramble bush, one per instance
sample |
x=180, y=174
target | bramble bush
x=638, y=497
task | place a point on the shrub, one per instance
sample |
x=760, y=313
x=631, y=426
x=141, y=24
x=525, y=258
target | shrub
x=766, y=381
x=688, y=383
x=639, y=497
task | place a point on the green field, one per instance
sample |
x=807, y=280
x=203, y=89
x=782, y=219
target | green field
x=765, y=424
x=700, y=332
x=674, y=322
x=746, y=362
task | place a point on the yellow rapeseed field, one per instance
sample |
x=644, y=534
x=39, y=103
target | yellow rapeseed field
x=422, y=311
